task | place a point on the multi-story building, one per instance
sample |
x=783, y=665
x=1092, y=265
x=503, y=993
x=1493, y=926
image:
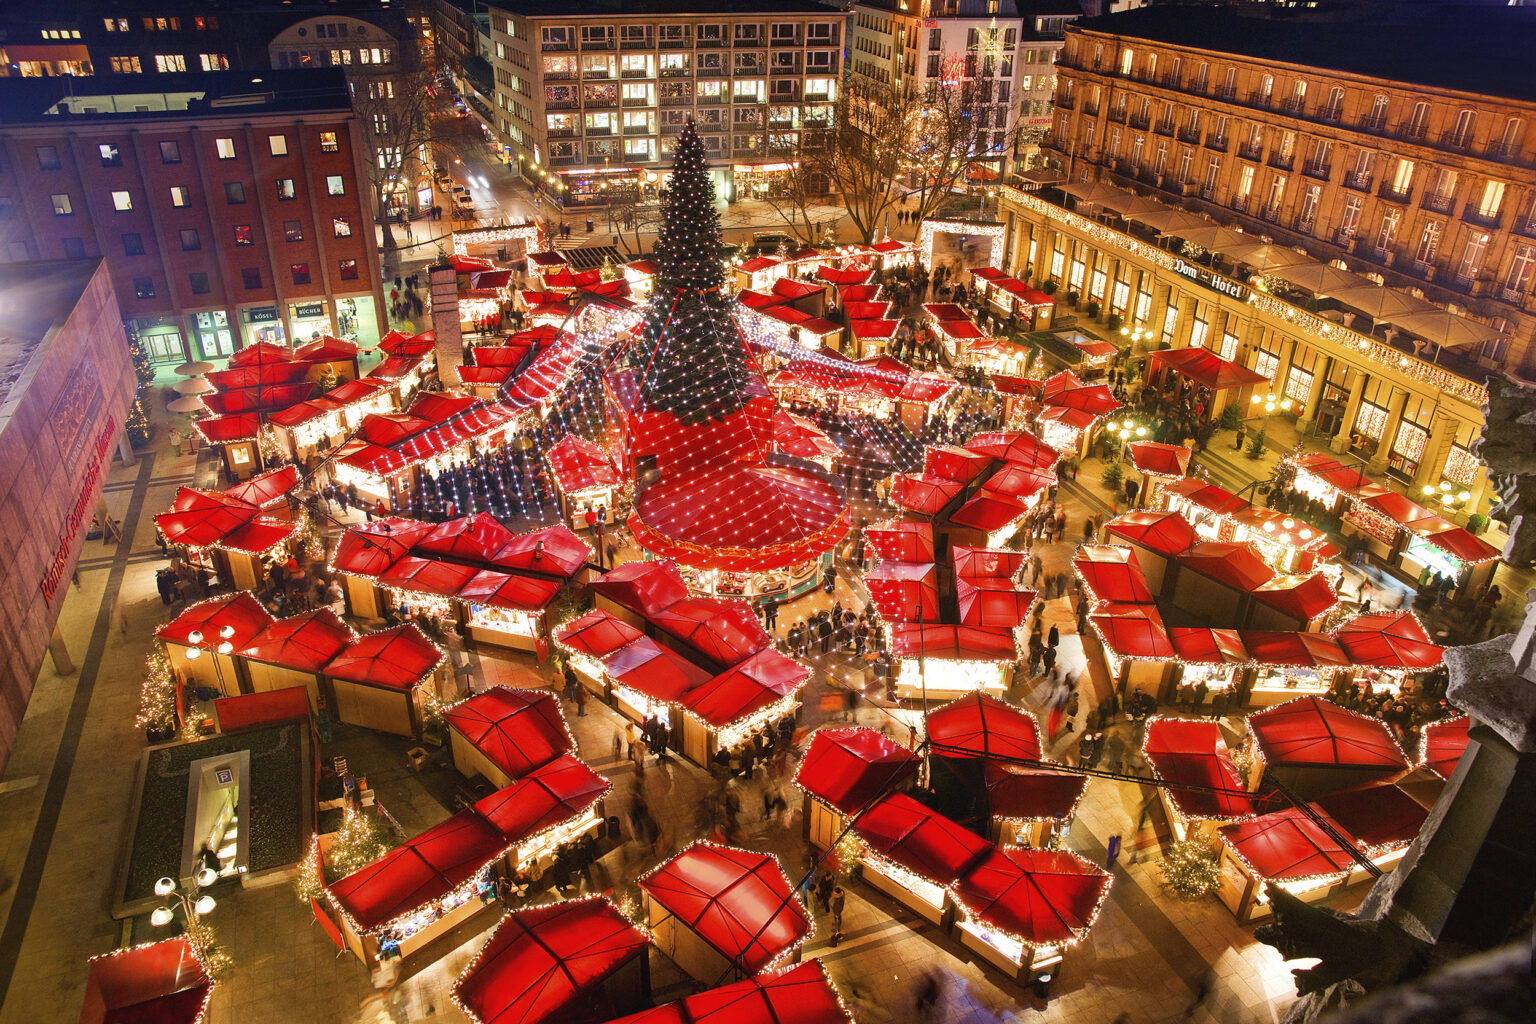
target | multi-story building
x=1004, y=51
x=1318, y=134
x=229, y=209
x=591, y=97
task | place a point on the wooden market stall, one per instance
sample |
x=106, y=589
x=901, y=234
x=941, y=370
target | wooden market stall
x=1316, y=747
x=1200, y=789
x=200, y=643
x=294, y=651
x=376, y=681
x=502, y=734
x=586, y=480
x=239, y=532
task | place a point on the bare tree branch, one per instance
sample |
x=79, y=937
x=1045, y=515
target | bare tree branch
x=396, y=111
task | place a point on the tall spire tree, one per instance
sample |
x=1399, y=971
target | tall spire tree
x=694, y=362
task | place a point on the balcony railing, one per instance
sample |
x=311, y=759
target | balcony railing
x=1514, y=296
x=1065, y=101
x=1296, y=106
x=559, y=76
x=1318, y=171
x=1165, y=128
x=1270, y=214
x=1250, y=151
x=1240, y=204
x=1360, y=181
x=1208, y=193
x=1412, y=132
x=1437, y=203
x=1472, y=215
x=639, y=129
x=1226, y=92
x=1190, y=135
x=1260, y=99
x=1117, y=115
x=1331, y=115
x=748, y=43
x=1394, y=193
x=1461, y=141
x=702, y=43
x=675, y=72
x=599, y=130
x=645, y=43
x=1304, y=224
x=1524, y=226
x=1282, y=161
x=1140, y=122
x=677, y=101
x=557, y=46
x=561, y=133
x=598, y=44
x=636, y=73
x=1216, y=142
x=1090, y=110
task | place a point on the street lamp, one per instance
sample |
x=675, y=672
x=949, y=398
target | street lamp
x=1267, y=403
x=1125, y=430
x=193, y=903
x=1447, y=494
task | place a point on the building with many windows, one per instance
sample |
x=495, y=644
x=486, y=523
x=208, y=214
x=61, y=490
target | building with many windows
x=1003, y=50
x=590, y=97
x=230, y=209
x=1416, y=174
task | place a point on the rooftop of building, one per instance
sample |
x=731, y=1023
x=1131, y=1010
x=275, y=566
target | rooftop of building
x=201, y=95
x=636, y=8
x=34, y=299
x=979, y=8
x=1475, y=49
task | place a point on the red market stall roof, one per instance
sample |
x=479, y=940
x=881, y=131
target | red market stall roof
x=1112, y=573
x=1456, y=541
x=368, y=549
x=756, y=684
x=662, y=675
x=867, y=310
x=517, y=730
x=1316, y=731
x=580, y=465
x=1301, y=597
x=1017, y=793
x=1043, y=897
x=1301, y=650
x=1094, y=399
x=904, y=591
x=737, y=901
x=396, y=659
x=1236, y=565
x=1166, y=533
x=989, y=512
x=954, y=463
x=155, y=983
x=874, y=328
x=240, y=612
x=858, y=292
x=549, y=795
x=541, y=962
x=1019, y=481
x=1378, y=816
x=266, y=489
x=799, y=995
x=1155, y=458
x=1093, y=348
x=418, y=871
x=259, y=353
x=926, y=388
x=597, y=634
x=992, y=601
x=757, y=263
x=428, y=576
x=643, y=587
x=226, y=429
x=831, y=275
x=926, y=495
x=1132, y=631
x=901, y=541
x=723, y=630
x=472, y=538
x=1443, y=743
x=1207, y=369
x=1058, y=384
x=1191, y=758
x=995, y=563
x=325, y=349
x=1347, y=479
x=1077, y=419
x=953, y=643
x=1201, y=646
x=1401, y=510
x=397, y=344
x=552, y=551
x=1287, y=844
x=919, y=839
x=307, y=642
x=847, y=768
x=980, y=725
x=249, y=710
x=1014, y=446
x=205, y=518
x=504, y=590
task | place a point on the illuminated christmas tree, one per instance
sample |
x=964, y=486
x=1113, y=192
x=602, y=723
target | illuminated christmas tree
x=693, y=362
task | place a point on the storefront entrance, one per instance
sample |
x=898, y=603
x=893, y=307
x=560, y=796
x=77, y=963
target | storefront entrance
x=262, y=325
x=213, y=334
x=160, y=339
x=310, y=320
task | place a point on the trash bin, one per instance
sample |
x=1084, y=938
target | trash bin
x=589, y=225
x=613, y=827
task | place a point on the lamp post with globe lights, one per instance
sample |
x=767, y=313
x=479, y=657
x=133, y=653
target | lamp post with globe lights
x=194, y=904
x=1126, y=431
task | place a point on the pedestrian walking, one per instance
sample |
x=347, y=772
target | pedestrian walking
x=1112, y=852
x=838, y=901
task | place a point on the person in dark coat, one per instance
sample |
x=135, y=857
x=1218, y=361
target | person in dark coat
x=1053, y=638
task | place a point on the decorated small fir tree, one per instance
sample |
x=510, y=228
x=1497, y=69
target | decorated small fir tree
x=1190, y=869
x=1256, y=447
x=693, y=361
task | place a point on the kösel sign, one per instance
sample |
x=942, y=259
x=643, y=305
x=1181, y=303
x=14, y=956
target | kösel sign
x=1211, y=280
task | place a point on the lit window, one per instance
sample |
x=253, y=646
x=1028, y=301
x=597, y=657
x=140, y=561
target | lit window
x=334, y=186
x=111, y=156
x=285, y=188
x=213, y=61
x=347, y=270
x=342, y=227
x=293, y=231
x=170, y=62
x=243, y=235
x=143, y=287
x=328, y=142
x=300, y=273
x=122, y=201
x=225, y=148
x=179, y=196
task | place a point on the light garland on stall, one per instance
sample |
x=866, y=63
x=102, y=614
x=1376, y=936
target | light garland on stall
x=192, y=950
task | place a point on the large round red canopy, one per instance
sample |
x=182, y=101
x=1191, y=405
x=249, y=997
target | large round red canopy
x=980, y=725
x=541, y=961
x=798, y=995
x=396, y=659
x=517, y=730
x=1316, y=731
x=848, y=768
x=736, y=900
x=919, y=839
x=1043, y=897
x=1191, y=759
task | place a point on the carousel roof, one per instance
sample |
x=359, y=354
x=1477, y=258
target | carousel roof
x=848, y=768
x=980, y=725
x=798, y=995
x=1316, y=731
x=1191, y=758
x=920, y=839
x=396, y=659
x=1044, y=897
x=517, y=730
x=737, y=901
x=541, y=962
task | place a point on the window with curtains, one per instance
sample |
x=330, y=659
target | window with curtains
x=1298, y=385
x=1120, y=297
x=1075, y=280
x=1058, y=258
x=1143, y=311
x=1229, y=341
x=1098, y=281
x=1170, y=321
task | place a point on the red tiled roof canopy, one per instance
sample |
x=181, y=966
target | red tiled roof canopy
x=517, y=730
x=1316, y=731
x=847, y=768
x=980, y=725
